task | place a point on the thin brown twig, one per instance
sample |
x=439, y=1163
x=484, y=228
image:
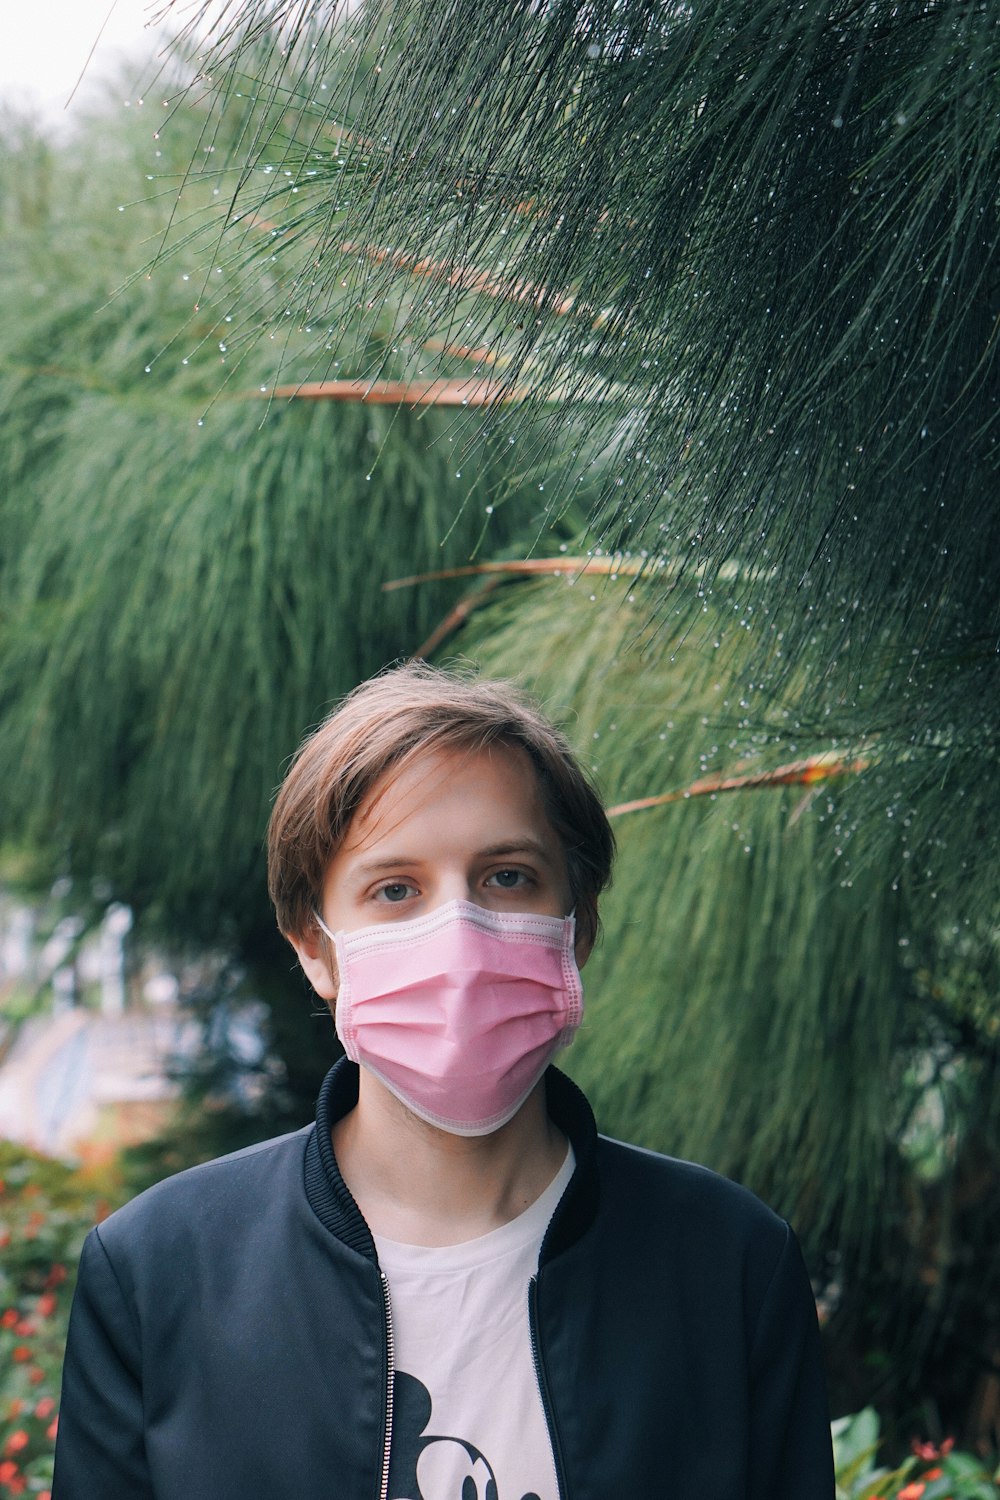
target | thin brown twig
x=469, y=391
x=455, y=617
x=806, y=772
x=556, y=567
x=467, y=278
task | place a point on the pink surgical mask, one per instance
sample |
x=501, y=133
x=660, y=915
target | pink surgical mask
x=459, y=1012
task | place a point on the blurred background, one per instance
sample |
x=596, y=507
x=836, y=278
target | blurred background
x=660, y=376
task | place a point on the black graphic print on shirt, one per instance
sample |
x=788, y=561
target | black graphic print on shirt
x=426, y=1467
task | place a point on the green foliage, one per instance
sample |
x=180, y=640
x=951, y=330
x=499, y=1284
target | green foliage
x=189, y=580
x=739, y=254
x=46, y=1210
x=186, y=592
x=137, y=733
x=933, y=1472
x=710, y=187
x=782, y=992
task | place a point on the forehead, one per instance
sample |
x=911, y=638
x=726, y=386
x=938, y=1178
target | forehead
x=472, y=790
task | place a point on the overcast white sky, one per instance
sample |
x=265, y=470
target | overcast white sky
x=44, y=47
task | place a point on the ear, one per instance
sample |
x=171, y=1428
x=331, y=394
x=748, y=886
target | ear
x=586, y=931
x=314, y=954
x=586, y=927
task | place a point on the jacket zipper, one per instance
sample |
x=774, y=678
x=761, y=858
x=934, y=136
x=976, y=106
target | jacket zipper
x=543, y=1390
x=390, y=1362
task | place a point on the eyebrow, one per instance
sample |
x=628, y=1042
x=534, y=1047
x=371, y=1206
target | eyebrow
x=516, y=846
x=507, y=848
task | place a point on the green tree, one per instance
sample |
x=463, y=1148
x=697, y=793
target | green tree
x=733, y=266
x=776, y=995
x=739, y=256
x=738, y=261
x=187, y=586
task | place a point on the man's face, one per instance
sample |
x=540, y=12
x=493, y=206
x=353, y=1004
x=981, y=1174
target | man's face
x=452, y=825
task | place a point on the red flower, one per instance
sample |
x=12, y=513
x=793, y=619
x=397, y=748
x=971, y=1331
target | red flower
x=16, y=1441
x=36, y=1375
x=9, y=1318
x=25, y=1329
x=21, y=1354
x=15, y=1408
x=47, y=1304
x=930, y=1451
x=52, y=1429
x=45, y=1407
x=55, y=1276
x=912, y=1491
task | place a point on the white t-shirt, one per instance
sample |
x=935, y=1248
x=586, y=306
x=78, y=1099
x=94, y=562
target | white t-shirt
x=468, y=1422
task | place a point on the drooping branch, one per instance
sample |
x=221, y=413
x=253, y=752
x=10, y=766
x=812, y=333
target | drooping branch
x=806, y=772
x=468, y=391
x=559, y=567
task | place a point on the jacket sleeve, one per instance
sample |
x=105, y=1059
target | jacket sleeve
x=100, y=1447
x=790, y=1449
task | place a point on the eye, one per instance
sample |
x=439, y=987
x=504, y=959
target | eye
x=395, y=891
x=508, y=880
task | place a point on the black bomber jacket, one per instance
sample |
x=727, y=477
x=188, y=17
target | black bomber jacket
x=230, y=1339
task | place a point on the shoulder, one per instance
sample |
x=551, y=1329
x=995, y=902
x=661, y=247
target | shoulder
x=658, y=1210
x=219, y=1192
x=668, y=1199
x=716, y=1247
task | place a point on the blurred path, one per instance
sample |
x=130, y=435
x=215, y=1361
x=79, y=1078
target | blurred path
x=77, y=1077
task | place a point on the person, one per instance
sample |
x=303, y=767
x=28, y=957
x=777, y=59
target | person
x=450, y=1287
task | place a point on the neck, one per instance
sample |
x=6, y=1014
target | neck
x=423, y=1186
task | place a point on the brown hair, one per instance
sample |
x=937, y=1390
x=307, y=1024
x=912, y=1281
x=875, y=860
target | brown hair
x=388, y=721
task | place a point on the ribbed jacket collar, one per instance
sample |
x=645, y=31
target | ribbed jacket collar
x=337, y=1211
